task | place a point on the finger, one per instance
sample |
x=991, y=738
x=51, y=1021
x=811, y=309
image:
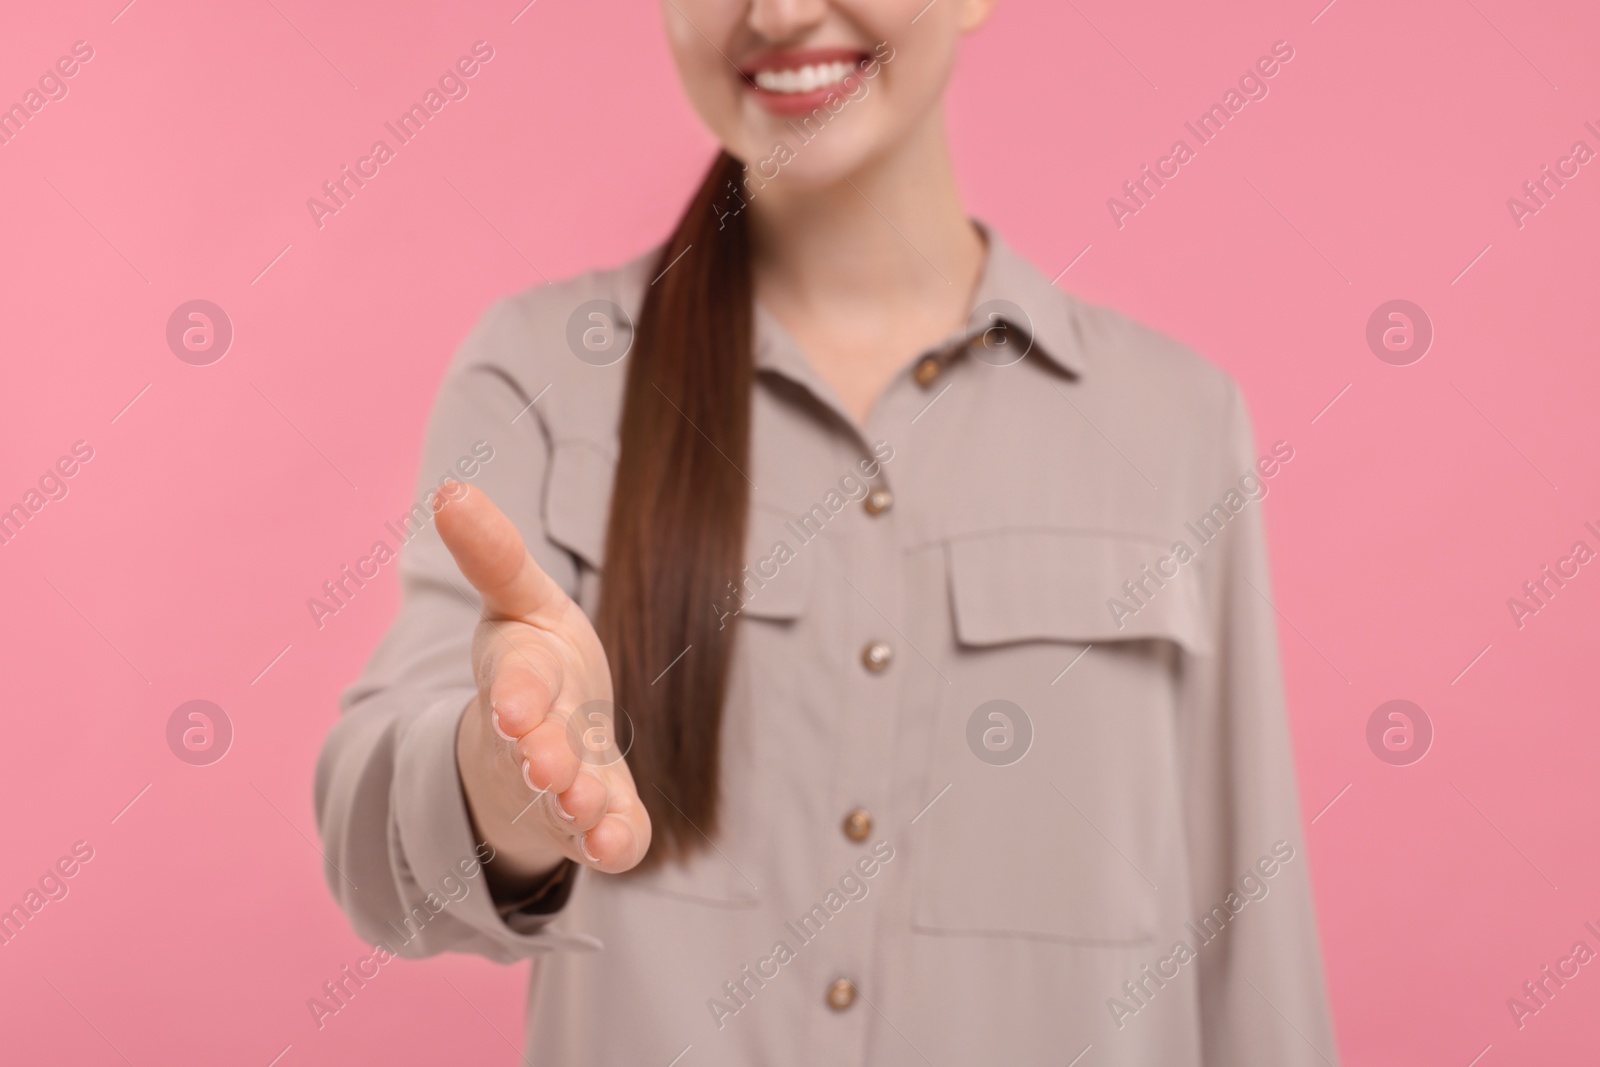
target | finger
x=584, y=803
x=618, y=842
x=491, y=555
x=523, y=685
x=548, y=759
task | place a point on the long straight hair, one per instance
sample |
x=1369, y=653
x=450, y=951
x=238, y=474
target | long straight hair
x=679, y=507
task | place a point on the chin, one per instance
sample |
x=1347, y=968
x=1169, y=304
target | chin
x=800, y=156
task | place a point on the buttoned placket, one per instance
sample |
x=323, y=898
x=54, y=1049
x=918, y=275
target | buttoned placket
x=877, y=656
x=870, y=567
x=874, y=656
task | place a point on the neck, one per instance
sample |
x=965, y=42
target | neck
x=893, y=231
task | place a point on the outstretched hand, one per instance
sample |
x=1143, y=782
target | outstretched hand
x=541, y=786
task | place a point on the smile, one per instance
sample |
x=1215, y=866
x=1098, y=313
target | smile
x=795, y=82
x=804, y=79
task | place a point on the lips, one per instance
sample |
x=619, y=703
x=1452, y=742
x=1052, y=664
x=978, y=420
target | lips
x=796, y=82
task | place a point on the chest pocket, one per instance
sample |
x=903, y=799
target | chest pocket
x=1055, y=736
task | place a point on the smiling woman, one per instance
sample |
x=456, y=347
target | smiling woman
x=673, y=735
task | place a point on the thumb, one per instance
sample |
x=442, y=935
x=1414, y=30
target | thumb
x=490, y=552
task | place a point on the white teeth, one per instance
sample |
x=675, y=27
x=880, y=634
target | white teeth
x=804, y=79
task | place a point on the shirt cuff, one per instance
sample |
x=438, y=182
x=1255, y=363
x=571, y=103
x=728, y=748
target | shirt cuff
x=548, y=897
x=438, y=844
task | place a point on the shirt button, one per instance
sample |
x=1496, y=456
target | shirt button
x=878, y=501
x=841, y=994
x=876, y=656
x=926, y=371
x=858, y=824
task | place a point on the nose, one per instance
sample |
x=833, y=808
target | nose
x=782, y=21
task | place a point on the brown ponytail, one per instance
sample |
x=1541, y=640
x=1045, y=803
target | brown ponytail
x=678, y=512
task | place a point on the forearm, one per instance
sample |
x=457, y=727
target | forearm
x=404, y=860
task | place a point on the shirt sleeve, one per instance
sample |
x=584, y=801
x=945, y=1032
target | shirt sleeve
x=1262, y=997
x=401, y=856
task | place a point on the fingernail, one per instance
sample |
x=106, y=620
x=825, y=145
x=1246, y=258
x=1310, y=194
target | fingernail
x=555, y=802
x=494, y=717
x=527, y=776
x=583, y=846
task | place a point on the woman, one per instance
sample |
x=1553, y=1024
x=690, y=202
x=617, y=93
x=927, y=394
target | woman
x=932, y=745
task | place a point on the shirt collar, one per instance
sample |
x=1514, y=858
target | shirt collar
x=1041, y=320
x=1046, y=318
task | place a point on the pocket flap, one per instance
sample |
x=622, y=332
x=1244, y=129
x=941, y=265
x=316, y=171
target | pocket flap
x=778, y=565
x=775, y=584
x=1029, y=585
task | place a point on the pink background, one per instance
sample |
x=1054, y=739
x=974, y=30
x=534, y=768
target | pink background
x=178, y=566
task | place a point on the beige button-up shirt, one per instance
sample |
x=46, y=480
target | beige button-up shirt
x=1006, y=768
